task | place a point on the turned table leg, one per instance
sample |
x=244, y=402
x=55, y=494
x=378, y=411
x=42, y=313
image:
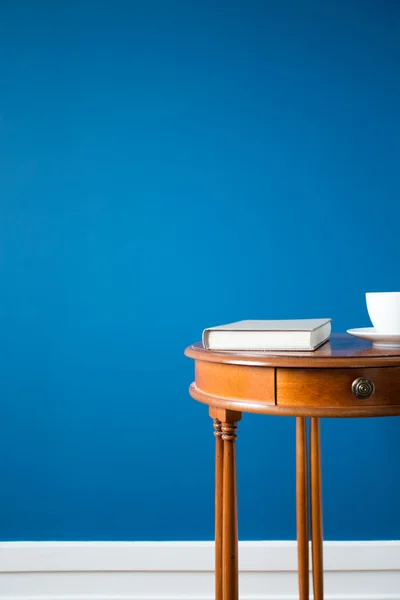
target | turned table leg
x=302, y=506
x=226, y=521
x=316, y=510
x=219, y=469
x=229, y=517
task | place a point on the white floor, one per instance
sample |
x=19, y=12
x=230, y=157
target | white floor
x=184, y=571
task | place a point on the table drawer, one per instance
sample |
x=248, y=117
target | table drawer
x=338, y=387
x=236, y=382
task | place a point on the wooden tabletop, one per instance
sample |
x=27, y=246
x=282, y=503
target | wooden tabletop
x=341, y=350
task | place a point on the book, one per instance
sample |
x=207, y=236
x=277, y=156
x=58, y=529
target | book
x=295, y=334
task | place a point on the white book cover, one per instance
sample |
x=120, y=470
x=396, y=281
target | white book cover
x=288, y=334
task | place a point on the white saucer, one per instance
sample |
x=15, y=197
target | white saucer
x=381, y=340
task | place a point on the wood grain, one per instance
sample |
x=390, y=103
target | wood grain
x=236, y=381
x=307, y=384
x=342, y=350
x=219, y=470
x=316, y=509
x=224, y=415
x=332, y=387
x=302, y=507
x=293, y=411
x=230, y=575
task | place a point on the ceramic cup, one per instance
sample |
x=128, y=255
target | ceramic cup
x=384, y=311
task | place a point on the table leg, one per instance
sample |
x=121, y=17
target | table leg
x=302, y=507
x=230, y=576
x=226, y=528
x=316, y=510
x=219, y=470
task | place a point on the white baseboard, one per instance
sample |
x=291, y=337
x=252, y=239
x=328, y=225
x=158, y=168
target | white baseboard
x=184, y=570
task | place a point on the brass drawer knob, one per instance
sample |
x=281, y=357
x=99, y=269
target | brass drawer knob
x=362, y=387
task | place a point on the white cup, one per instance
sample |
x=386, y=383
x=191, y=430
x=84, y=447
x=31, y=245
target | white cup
x=384, y=311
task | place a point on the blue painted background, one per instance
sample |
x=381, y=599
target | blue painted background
x=167, y=166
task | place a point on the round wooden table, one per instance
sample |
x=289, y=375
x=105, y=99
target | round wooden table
x=345, y=377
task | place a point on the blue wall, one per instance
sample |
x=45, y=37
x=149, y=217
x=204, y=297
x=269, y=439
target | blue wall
x=167, y=166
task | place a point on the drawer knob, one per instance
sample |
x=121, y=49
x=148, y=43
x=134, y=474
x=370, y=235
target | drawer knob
x=362, y=387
